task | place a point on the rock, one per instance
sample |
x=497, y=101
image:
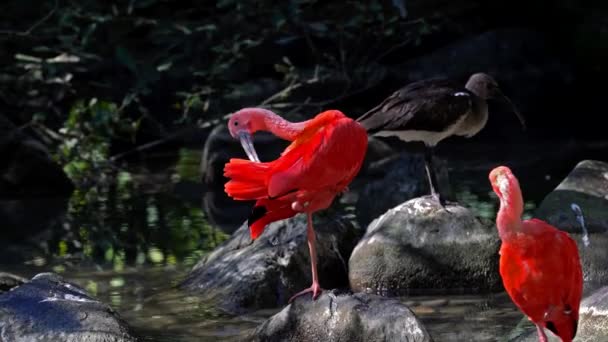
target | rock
x=47, y=308
x=8, y=281
x=26, y=236
x=343, y=317
x=393, y=180
x=241, y=274
x=22, y=159
x=592, y=326
x=418, y=246
x=221, y=210
x=586, y=186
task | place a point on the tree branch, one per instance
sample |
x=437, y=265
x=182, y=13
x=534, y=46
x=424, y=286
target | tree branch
x=34, y=26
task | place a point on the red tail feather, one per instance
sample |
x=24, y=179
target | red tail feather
x=267, y=211
x=247, y=179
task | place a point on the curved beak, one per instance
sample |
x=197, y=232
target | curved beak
x=503, y=97
x=247, y=143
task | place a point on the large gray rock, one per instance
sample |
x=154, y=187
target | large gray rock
x=49, y=309
x=418, y=246
x=393, y=180
x=592, y=326
x=241, y=274
x=23, y=159
x=586, y=186
x=336, y=317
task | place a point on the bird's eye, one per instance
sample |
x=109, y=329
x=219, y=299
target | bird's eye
x=236, y=123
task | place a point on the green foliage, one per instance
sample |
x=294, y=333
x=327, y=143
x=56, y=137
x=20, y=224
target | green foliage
x=87, y=133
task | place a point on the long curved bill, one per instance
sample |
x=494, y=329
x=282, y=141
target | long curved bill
x=247, y=143
x=517, y=113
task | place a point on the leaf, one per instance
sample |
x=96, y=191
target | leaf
x=124, y=57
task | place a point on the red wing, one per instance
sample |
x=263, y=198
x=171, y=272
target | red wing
x=542, y=270
x=331, y=157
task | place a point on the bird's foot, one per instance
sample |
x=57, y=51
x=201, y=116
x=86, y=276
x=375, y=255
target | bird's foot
x=437, y=198
x=315, y=288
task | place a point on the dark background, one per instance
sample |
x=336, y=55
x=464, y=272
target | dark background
x=94, y=84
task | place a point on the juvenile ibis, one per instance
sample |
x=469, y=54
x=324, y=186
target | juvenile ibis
x=432, y=110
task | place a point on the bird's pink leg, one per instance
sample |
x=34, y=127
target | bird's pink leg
x=542, y=337
x=315, y=288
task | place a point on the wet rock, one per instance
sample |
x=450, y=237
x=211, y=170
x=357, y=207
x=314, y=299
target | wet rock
x=592, y=326
x=22, y=160
x=393, y=180
x=221, y=210
x=418, y=246
x=49, y=309
x=343, y=317
x=241, y=274
x=586, y=186
x=8, y=281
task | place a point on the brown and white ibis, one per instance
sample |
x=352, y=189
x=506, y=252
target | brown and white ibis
x=433, y=109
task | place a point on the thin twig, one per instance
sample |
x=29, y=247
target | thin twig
x=391, y=50
x=34, y=26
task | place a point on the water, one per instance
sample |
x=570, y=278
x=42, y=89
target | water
x=130, y=238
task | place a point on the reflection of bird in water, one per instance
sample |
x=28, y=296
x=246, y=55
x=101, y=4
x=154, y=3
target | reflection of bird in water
x=221, y=211
x=539, y=264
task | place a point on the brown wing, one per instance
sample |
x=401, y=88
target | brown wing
x=428, y=105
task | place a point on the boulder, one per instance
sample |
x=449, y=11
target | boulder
x=592, y=326
x=343, y=317
x=22, y=160
x=47, y=308
x=243, y=274
x=586, y=186
x=395, y=179
x=418, y=245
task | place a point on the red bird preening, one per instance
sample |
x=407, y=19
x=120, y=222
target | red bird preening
x=539, y=264
x=325, y=155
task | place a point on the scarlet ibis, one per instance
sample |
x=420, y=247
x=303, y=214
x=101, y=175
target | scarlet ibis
x=539, y=264
x=432, y=110
x=325, y=155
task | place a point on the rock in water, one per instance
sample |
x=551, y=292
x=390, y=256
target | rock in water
x=241, y=274
x=418, y=246
x=332, y=317
x=22, y=160
x=587, y=187
x=49, y=309
x=394, y=180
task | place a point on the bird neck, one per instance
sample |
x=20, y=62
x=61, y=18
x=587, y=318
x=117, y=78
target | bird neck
x=273, y=123
x=476, y=88
x=508, y=219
